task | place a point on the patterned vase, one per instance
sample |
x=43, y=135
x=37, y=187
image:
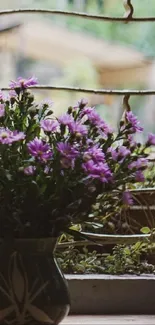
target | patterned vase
x=32, y=288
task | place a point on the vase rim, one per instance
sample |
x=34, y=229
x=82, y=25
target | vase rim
x=33, y=245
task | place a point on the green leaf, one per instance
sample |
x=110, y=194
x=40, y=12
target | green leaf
x=127, y=251
x=76, y=227
x=79, y=236
x=145, y=230
x=137, y=246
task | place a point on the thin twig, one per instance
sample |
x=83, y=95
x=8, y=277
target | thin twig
x=76, y=14
x=92, y=91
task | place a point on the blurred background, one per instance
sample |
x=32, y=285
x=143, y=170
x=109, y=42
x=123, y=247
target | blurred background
x=74, y=51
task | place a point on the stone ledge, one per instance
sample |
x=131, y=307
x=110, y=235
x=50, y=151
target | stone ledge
x=107, y=294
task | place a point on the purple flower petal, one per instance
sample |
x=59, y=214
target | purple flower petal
x=12, y=94
x=2, y=95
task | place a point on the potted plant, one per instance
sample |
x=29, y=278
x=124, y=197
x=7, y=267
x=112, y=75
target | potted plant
x=52, y=171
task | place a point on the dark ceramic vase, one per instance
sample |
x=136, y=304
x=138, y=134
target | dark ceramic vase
x=32, y=289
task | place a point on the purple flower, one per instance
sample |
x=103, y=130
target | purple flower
x=2, y=110
x=68, y=153
x=8, y=137
x=96, y=120
x=120, y=153
x=139, y=176
x=46, y=102
x=50, y=125
x=12, y=93
x=99, y=171
x=89, y=142
x=40, y=149
x=113, y=153
x=17, y=136
x=67, y=162
x=127, y=198
x=78, y=128
x=151, y=139
x=30, y=170
x=138, y=164
x=67, y=150
x=132, y=119
x=105, y=128
x=66, y=119
x=23, y=83
x=131, y=140
x=86, y=111
x=94, y=153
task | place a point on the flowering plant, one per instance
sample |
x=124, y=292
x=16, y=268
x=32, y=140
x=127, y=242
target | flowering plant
x=52, y=170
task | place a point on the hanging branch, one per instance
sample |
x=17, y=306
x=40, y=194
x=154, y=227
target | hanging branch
x=128, y=18
x=126, y=105
x=129, y=9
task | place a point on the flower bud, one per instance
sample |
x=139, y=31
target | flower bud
x=82, y=103
x=32, y=111
x=121, y=123
x=12, y=100
x=91, y=189
x=21, y=169
x=132, y=148
x=30, y=99
x=70, y=109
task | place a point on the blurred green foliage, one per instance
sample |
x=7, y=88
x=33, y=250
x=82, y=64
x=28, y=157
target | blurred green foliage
x=139, y=35
x=123, y=260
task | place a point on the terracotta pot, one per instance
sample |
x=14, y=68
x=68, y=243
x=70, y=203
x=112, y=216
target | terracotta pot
x=32, y=288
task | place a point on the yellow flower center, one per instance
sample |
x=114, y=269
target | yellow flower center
x=4, y=135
